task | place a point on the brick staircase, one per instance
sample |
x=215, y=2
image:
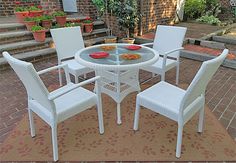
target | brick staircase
x=20, y=43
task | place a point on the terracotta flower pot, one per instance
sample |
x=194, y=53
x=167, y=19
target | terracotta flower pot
x=39, y=36
x=61, y=20
x=47, y=23
x=36, y=13
x=111, y=39
x=29, y=24
x=128, y=40
x=21, y=16
x=88, y=27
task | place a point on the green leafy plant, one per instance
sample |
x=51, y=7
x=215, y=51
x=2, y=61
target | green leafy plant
x=194, y=8
x=21, y=9
x=88, y=21
x=29, y=19
x=34, y=8
x=59, y=13
x=46, y=17
x=127, y=14
x=36, y=28
x=101, y=6
x=213, y=7
x=209, y=20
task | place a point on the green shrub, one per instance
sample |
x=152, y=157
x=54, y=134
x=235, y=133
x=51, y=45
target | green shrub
x=213, y=7
x=194, y=8
x=209, y=20
x=101, y=6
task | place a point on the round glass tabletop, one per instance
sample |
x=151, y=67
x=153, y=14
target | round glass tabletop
x=116, y=56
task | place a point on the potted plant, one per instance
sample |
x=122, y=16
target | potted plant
x=60, y=17
x=21, y=12
x=46, y=21
x=88, y=25
x=128, y=16
x=30, y=22
x=39, y=33
x=35, y=10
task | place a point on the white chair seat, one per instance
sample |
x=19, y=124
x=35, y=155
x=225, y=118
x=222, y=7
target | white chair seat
x=163, y=98
x=157, y=66
x=77, y=101
x=76, y=68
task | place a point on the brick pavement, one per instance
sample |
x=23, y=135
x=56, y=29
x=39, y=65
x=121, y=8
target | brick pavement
x=220, y=95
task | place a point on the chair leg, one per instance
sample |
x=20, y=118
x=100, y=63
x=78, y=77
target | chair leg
x=201, y=119
x=31, y=121
x=76, y=79
x=179, y=140
x=60, y=77
x=153, y=75
x=163, y=77
x=54, y=142
x=100, y=116
x=85, y=76
x=118, y=114
x=177, y=74
x=136, y=116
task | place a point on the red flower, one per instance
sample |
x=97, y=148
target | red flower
x=31, y=4
x=17, y=2
x=40, y=7
x=88, y=18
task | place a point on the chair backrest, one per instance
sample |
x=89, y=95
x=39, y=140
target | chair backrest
x=32, y=82
x=198, y=85
x=67, y=41
x=169, y=38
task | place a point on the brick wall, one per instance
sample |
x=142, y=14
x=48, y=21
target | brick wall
x=51, y=5
x=157, y=12
x=87, y=8
x=7, y=6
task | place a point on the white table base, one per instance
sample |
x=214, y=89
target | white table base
x=118, y=84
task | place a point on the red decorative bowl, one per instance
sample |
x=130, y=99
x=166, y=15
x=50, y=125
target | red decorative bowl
x=133, y=47
x=99, y=55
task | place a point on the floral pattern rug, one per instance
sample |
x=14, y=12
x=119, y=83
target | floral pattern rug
x=79, y=138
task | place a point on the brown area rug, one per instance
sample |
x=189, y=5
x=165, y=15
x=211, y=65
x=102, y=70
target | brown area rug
x=79, y=138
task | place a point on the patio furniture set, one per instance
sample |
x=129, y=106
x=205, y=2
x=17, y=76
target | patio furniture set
x=116, y=69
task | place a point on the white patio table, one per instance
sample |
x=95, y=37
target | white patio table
x=119, y=76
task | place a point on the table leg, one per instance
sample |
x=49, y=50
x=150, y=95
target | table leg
x=118, y=114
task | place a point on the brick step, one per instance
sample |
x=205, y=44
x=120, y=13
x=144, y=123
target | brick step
x=225, y=39
x=25, y=46
x=94, y=41
x=33, y=55
x=15, y=36
x=96, y=33
x=11, y=27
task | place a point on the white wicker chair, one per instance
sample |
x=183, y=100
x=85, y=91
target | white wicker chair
x=178, y=104
x=168, y=42
x=58, y=105
x=68, y=41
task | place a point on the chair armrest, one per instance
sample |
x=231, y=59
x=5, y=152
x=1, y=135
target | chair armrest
x=148, y=44
x=69, y=87
x=51, y=68
x=171, y=51
x=64, y=66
